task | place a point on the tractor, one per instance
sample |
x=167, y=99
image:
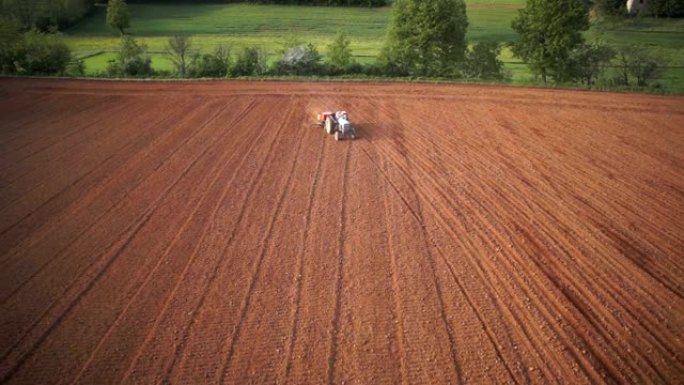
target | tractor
x=338, y=124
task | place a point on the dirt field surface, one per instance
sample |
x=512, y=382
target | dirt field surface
x=206, y=232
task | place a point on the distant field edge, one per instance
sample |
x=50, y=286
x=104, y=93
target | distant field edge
x=367, y=80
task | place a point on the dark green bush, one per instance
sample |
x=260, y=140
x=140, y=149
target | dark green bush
x=249, y=62
x=132, y=60
x=31, y=53
x=210, y=65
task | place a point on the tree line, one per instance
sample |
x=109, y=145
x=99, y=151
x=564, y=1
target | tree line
x=45, y=15
x=655, y=8
x=364, y=3
x=425, y=39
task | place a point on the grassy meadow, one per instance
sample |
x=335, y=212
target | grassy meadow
x=271, y=26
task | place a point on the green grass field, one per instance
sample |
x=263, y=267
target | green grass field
x=270, y=27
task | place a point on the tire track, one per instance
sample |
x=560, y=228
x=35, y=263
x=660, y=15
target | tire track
x=512, y=268
x=526, y=334
x=300, y=266
x=340, y=274
x=109, y=261
x=157, y=321
x=97, y=271
x=419, y=218
x=70, y=186
x=104, y=215
x=396, y=295
x=245, y=303
x=181, y=347
x=215, y=172
x=71, y=118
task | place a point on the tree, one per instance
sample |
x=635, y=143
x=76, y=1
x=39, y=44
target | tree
x=178, y=48
x=611, y=7
x=482, y=62
x=590, y=60
x=118, y=16
x=669, y=8
x=11, y=41
x=339, y=52
x=426, y=37
x=26, y=12
x=43, y=54
x=548, y=31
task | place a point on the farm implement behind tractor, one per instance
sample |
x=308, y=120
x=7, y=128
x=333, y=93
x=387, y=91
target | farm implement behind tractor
x=338, y=124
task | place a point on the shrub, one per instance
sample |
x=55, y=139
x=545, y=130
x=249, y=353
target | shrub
x=300, y=60
x=210, y=65
x=589, y=61
x=249, y=62
x=41, y=54
x=132, y=59
x=635, y=62
x=76, y=68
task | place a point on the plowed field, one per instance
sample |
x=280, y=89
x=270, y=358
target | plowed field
x=206, y=232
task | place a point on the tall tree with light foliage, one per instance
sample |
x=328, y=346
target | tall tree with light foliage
x=339, y=52
x=118, y=16
x=178, y=49
x=427, y=37
x=548, y=32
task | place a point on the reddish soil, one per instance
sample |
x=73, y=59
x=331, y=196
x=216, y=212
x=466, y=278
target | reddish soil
x=206, y=232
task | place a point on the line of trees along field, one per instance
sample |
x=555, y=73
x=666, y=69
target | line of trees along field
x=656, y=8
x=46, y=14
x=345, y=3
x=425, y=39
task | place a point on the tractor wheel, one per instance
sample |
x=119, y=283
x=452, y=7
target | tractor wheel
x=337, y=135
x=328, y=126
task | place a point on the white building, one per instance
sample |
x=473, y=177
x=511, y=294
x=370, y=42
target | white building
x=634, y=6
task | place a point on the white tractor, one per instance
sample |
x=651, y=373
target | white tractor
x=338, y=124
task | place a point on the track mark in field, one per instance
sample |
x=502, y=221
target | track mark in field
x=136, y=227
x=396, y=294
x=97, y=220
x=77, y=128
x=471, y=304
x=300, y=265
x=155, y=325
x=245, y=304
x=73, y=303
x=243, y=209
x=18, y=128
x=332, y=360
x=214, y=175
x=11, y=183
x=440, y=293
x=89, y=109
x=593, y=364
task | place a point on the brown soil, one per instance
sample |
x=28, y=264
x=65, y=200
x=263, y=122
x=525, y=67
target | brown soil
x=206, y=232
